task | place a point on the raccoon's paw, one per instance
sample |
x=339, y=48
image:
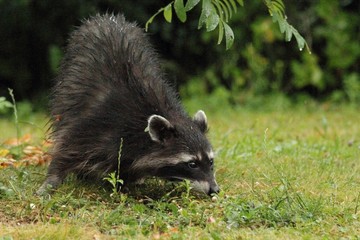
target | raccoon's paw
x=50, y=184
x=44, y=190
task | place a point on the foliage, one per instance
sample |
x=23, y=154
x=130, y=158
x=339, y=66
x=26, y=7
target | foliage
x=217, y=13
x=277, y=11
x=4, y=104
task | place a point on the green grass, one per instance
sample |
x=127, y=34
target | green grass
x=291, y=173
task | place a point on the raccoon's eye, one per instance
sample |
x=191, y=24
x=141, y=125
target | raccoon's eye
x=211, y=160
x=192, y=164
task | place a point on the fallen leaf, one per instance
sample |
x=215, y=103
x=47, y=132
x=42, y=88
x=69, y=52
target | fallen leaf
x=32, y=150
x=13, y=142
x=4, y=152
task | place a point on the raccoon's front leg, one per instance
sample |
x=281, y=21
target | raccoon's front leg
x=54, y=178
x=127, y=186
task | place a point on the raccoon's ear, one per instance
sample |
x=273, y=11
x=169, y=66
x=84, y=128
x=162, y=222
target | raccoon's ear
x=160, y=129
x=201, y=120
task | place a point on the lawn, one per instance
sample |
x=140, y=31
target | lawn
x=287, y=173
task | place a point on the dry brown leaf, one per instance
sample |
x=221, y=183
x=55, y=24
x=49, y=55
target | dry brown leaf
x=32, y=150
x=13, y=142
x=33, y=155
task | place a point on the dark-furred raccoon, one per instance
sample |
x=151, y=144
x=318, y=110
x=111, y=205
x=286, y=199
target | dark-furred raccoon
x=110, y=88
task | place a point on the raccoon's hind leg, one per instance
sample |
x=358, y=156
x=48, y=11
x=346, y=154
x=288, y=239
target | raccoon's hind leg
x=55, y=176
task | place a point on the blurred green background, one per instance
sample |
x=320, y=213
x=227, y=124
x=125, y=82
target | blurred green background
x=33, y=34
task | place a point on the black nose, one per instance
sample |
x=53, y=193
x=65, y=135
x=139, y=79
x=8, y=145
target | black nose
x=214, y=189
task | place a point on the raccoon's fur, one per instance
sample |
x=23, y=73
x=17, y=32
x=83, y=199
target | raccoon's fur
x=110, y=88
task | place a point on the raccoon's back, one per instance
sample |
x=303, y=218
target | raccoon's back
x=110, y=68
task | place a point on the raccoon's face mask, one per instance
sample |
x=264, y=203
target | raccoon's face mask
x=187, y=153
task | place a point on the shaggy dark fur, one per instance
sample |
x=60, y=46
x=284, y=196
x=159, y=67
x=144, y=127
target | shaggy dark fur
x=109, y=84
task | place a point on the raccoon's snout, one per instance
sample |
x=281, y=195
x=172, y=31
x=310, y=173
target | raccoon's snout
x=214, y=190
x=206, y=187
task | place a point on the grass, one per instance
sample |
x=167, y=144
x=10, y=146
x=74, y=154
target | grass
x=288, y=173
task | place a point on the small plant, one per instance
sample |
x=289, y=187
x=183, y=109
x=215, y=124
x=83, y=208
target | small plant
x=13, y=105
x=16, y=118
x=184, y=187
x=187, y=187
x=4, y=104
x=114, y=177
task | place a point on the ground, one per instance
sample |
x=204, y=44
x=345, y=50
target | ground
x=287, y=173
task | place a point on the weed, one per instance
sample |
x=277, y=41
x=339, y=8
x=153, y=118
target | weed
x=14, y=108
x=16, y=119
x=114, y=177
x=4, y=104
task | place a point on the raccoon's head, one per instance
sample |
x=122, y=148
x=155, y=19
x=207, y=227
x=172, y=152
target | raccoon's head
x=183, y=151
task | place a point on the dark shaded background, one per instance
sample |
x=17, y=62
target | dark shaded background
x=33, y=34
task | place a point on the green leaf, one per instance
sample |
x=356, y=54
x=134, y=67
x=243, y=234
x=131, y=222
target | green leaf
x=212, y=22
x=190, y=4
x=300, y=40
x=241, y=2
x=207, y=7
x=202, y=19
x=282, y=22
x=4, y=104
x=180, y=10
x=233, y=4
x=288, y=33
x=229, y=36
x=168, y=13
x=223, y=9
x=227, y=6
x=289, y=30
x=275, y=6
x=278, y=6
x=221, y=32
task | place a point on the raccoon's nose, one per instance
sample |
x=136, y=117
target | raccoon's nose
x=214, y=189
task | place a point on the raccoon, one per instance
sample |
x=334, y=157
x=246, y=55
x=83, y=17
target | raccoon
x=111, y=89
